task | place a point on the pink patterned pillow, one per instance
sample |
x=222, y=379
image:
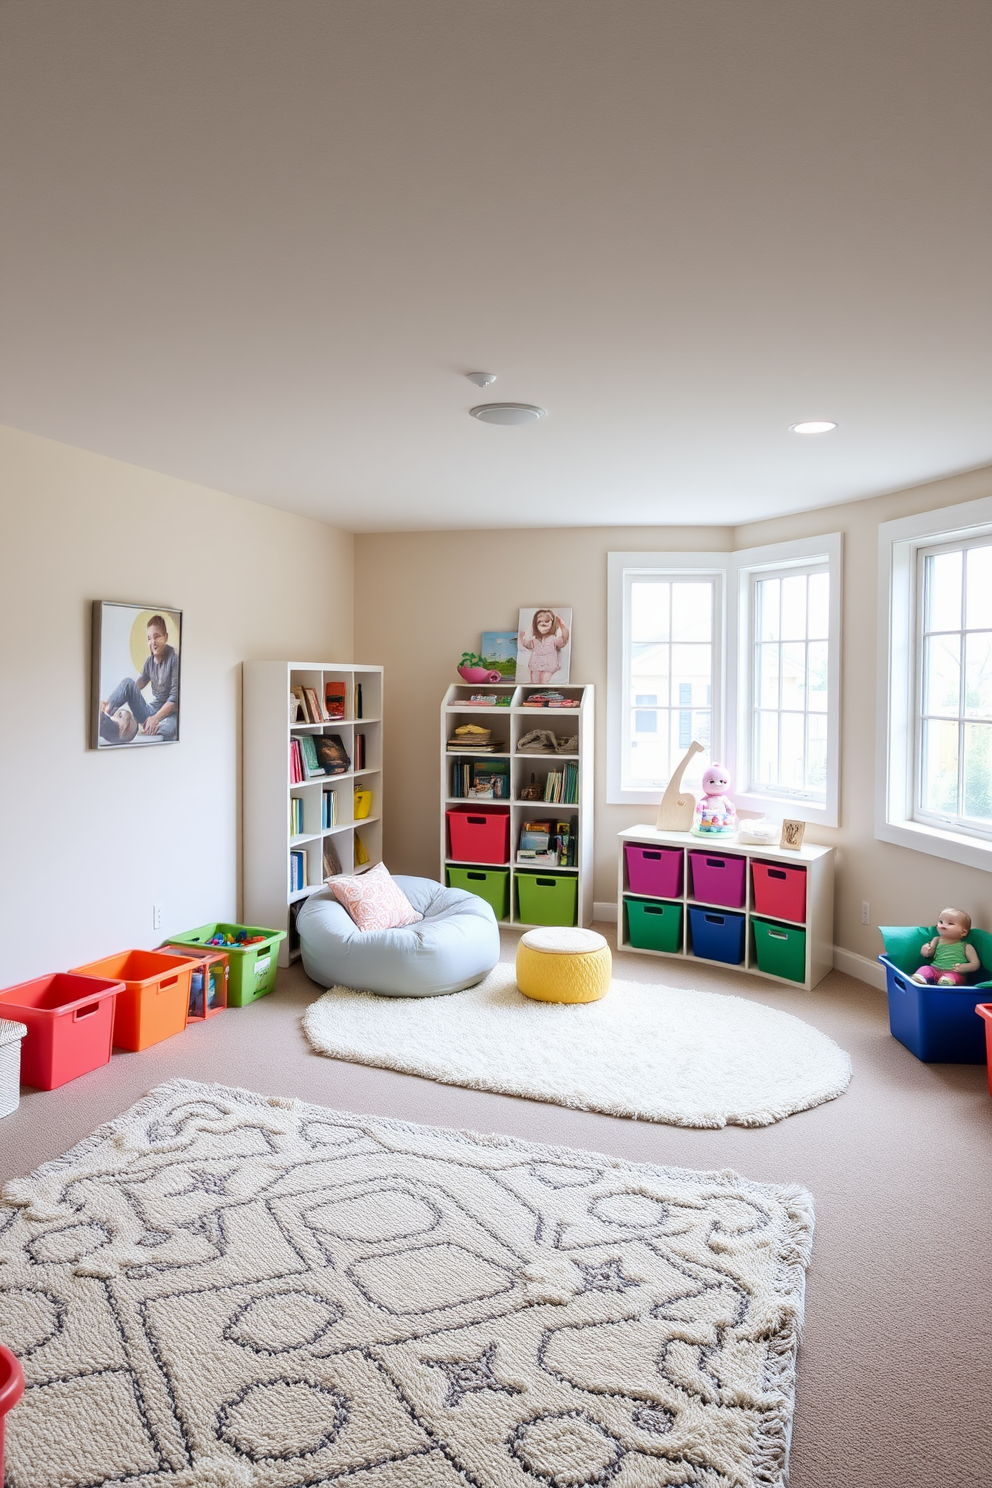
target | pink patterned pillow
x=374, y=900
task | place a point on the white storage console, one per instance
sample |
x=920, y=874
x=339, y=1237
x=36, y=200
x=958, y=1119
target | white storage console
x=768, y=911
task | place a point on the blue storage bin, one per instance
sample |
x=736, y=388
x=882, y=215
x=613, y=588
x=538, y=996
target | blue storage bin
x=716, y=935
x=937, y=1024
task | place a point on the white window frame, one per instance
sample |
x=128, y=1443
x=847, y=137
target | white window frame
x=731, y=726
x=899, y=545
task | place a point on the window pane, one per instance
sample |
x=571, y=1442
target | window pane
x=681, y=727
x=649, y=611
x=816, y=752
x=649, y=751
x=940, y=767
x=978, y=771
x=792, y=759
x=691, y=667
x=942, y=674
x=816, y=662
x=692, y=612
x=819, y=606
x=794, y=608
x=768, y=592
x=766, y=748
x=701, y=731
x=978, y=675
x=979, y=601
x=793, y=675
x=943, y=586
x=649, y=671
x=766, y=681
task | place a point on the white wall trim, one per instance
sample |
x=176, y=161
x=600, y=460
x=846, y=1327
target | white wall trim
x=604, y=909
x=859, y=966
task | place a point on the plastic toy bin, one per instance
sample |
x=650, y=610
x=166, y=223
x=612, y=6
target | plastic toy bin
x=11, y=1390
x=937, y=1024
x=652, y=926
x=153, y=1003
x=716, y=936
x=478, y=836
x=491, y=884
x=252, y=967
x=717, y=879
x=654, y=870
x=780, y=949
x=209, y=977
x=547, y=898
x=984, y=1010
x=779, y=892
x=70, y=1024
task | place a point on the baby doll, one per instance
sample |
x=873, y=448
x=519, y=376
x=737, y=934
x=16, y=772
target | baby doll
x=952, y=959
x=715, y=814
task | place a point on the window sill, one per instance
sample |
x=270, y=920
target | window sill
x=954, y=846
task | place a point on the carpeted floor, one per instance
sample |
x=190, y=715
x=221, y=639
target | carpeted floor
x=895, y=1368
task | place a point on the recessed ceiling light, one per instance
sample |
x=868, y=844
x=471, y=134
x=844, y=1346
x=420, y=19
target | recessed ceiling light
x=507, y=413
x=812, y=426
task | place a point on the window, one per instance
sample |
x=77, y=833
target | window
x=935, y=735
x=754, y=681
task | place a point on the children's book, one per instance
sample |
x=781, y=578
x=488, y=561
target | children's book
x=334, y=700
x=334, y=758
x=535, y=836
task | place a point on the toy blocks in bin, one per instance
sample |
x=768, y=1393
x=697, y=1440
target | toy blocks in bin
x=155, y=998
x=207, y=983
x=937, y=1024
x=253, y=954
x=11, y=1034
x=69, y=1023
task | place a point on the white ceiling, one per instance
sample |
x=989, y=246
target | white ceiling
x=258, y=243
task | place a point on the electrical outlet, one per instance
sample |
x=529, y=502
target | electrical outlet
x=865, y=912
x=157, y=913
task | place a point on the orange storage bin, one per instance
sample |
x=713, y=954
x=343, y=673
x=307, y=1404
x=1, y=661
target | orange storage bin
x=155, y=1001
x=69, y=1020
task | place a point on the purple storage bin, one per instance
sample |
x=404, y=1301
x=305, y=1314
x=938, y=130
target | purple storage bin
x=654, y=870
x=718, y=879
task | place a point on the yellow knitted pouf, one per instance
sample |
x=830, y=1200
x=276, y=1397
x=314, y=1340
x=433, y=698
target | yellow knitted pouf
x=563, y=965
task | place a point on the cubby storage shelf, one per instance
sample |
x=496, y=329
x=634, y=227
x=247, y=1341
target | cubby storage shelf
x=817, y=863
x=267, y=731
x=509, y=724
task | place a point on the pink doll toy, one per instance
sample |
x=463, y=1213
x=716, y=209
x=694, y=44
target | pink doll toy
x=715, y=815
x=951, y=960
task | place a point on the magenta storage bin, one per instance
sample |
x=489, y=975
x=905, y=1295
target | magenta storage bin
x=654, y=870
x=718, y=879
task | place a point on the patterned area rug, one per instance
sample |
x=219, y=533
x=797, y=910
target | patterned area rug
x=219, y=1290
x=653, y=1052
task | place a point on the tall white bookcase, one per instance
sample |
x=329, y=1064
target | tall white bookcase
x=268, y=728
x=509, y=723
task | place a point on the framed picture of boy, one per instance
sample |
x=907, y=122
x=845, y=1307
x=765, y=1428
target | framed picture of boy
x=136, y=655
x=544, y=644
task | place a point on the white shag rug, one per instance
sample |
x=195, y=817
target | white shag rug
x=656, y=1053
x=220, y=1290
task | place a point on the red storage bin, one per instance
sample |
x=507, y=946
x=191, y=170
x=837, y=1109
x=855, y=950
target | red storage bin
x=70, y=1023
x=654, y=870
x=984, y=1010
x=718, y=879
x=778, y=891
x=478, y=836
x=11, y=1390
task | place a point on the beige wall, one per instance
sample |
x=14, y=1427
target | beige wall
x=91, y=840
x=425, y=597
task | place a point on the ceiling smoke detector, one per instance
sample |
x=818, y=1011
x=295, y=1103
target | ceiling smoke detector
x=507, y=413
x=481, y=379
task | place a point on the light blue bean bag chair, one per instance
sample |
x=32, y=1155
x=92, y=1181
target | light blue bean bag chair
x=454, y=946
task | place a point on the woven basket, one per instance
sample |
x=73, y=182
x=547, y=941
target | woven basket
x=10, y=1065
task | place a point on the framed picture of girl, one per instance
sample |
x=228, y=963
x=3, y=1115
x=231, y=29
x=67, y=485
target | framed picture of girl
x=544, y=644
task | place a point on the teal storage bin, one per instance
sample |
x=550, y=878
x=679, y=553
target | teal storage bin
x=491, y=884
x=780, y=949
x=652, y=925
x=547, y=898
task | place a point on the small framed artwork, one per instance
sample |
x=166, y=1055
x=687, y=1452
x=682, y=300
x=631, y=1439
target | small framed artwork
x=792, y=834
x=499, y=652
x=544, y=644
x=136, y=658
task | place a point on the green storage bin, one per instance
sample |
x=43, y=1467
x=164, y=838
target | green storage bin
x=253, y=968
x=780, y=949
x=491, y=884
x=547, y=898
x=652, y=925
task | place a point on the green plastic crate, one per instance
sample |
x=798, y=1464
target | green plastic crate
x=491, y=884
x=653, y=926
x=547, y=898
x=780, y=949
x=253, y=968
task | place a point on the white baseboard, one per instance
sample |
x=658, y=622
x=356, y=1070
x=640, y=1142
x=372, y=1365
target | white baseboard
x=861, y=967
x=604, y=909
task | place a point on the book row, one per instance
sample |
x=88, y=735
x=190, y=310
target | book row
x=311, y=755
x=305, y=704
x=490, y=781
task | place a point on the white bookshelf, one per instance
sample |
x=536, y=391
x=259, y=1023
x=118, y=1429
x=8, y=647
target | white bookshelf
x=267, y=789
x=817, y=926
x=509, y=724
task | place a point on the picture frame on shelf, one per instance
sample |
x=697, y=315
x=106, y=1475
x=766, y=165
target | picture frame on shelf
x=499, y=652
x=136, y=673
x=792, y=834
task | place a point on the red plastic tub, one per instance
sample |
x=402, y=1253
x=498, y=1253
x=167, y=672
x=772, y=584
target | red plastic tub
x=717, y=879
x=779, y=892
x=11, y=1390
x=476, y=836
x=984, y=1010
x=70, y=1021
x=656, y=871
x=155, y=1001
